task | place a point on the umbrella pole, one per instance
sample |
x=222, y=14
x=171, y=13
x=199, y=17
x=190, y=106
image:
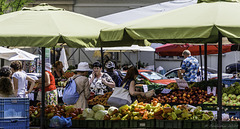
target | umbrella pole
x=102, y=59
x=43, y=89
x=154, y=61
x=219, y=89
x=200, y=53
x=205, y=62
x=54, y=56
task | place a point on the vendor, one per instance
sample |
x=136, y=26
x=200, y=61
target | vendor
x=58, y=69
x=100, y=83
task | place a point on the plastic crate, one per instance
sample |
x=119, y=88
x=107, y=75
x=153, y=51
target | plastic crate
x=189, y=124
x=14, y=108
x=169, y=124
x=225, y=125
x=79, y=124
x=116, y=124
x=141, y=123
x=235, y=114
x=95, y=123
x=229, y=82
x=15, y=123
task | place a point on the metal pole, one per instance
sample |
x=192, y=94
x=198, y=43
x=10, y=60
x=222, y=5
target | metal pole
x=219, y=89
x=200, y=53
x=205, y=62
x=86, y=55
x=43, y=90
x=154, y=61
x=54, y=56
x=72, y=54
x=102, y=59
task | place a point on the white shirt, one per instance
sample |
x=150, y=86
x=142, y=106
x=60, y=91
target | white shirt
x=21, y=77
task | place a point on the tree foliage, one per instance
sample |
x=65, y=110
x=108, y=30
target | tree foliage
x=12, y=5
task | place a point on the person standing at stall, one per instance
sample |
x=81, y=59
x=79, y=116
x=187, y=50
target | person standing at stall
x=51, y=96
x=100, y=83
x=19, y=80
x=58, y=70
x=189, y=67
x=113, y=74
x=83, y=87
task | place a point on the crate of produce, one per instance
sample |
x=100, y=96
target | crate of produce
x=189, y=124
x=14, y=108
x=95, y=123
x=229, y=81
x=235, y=114
x=141, y=123
x=14, y=123
x=79, y=124
x=116, y=124
x=225, y=125
x=171, y=124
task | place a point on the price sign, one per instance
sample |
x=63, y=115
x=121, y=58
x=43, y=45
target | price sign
x=181, y=83
x=165, y=91
x=145, y=88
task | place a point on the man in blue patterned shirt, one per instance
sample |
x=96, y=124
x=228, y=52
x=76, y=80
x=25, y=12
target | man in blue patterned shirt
x=190, y=67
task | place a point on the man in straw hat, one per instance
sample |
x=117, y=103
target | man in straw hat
x=83, y=87
x=189, y=67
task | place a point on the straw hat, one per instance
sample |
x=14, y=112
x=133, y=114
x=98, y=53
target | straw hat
x=83, y=66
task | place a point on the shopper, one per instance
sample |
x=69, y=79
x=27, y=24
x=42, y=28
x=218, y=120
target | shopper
x=83, y=87
x=189, y=67
x=51, y=96
x=58, y=69
x=113, y=74
x=19, y=80
x=129, y=83
x=100, y=83
x=5, y=71
x=6, y=87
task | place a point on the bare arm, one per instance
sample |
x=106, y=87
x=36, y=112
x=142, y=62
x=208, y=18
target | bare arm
x=109, y=84
x=132, y=90
x=15, y=84
x=182, y=71
x=32, y=84
x=47, y=80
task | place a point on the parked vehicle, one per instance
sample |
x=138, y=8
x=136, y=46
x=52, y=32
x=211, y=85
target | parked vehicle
x=152, y=77
x=211, y=73
x=233, y=68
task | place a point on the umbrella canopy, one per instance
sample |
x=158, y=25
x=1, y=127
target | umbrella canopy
x=6, y=53
x=198, y=23
x=123, y=49
x=45, y=26
x=22, y=55
x=176, y=50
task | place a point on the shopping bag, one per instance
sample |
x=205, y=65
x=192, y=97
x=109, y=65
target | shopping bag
x=119, y=97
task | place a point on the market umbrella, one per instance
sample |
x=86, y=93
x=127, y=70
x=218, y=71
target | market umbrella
x=6, y=53
x=22, y=55
x=45, y=26
x=199, y=23
x=176, y=49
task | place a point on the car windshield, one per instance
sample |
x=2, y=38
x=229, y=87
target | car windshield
x=210, y=71
x=152, y=75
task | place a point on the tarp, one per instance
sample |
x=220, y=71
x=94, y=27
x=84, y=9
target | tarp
x=63, y=59
x=123, y=49
x=176, y=50
x=138, y=13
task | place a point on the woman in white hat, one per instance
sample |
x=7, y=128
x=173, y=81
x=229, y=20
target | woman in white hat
x=83, y=87
x=51, y=96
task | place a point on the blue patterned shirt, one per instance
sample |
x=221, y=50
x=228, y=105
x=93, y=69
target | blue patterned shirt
x=191, y=66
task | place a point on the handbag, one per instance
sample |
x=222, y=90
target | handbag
x=120, y=97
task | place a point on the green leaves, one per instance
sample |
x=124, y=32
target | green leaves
x=7, y=6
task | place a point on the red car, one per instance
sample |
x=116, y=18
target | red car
x=152, y=77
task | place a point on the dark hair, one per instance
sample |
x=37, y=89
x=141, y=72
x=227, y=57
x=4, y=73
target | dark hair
x=6, y=86
x=97, y=64
x=5, y=71
x=57, y=63
x=132, y=71
x=16, y=65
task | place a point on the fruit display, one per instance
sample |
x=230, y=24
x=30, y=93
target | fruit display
x=188, y=96
x=172, y=86
x=100, y=99
x=154, y=110
x=233, y=89
x=203, y=85
x=51, y=110
x=227, y=100
x=68, y=74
